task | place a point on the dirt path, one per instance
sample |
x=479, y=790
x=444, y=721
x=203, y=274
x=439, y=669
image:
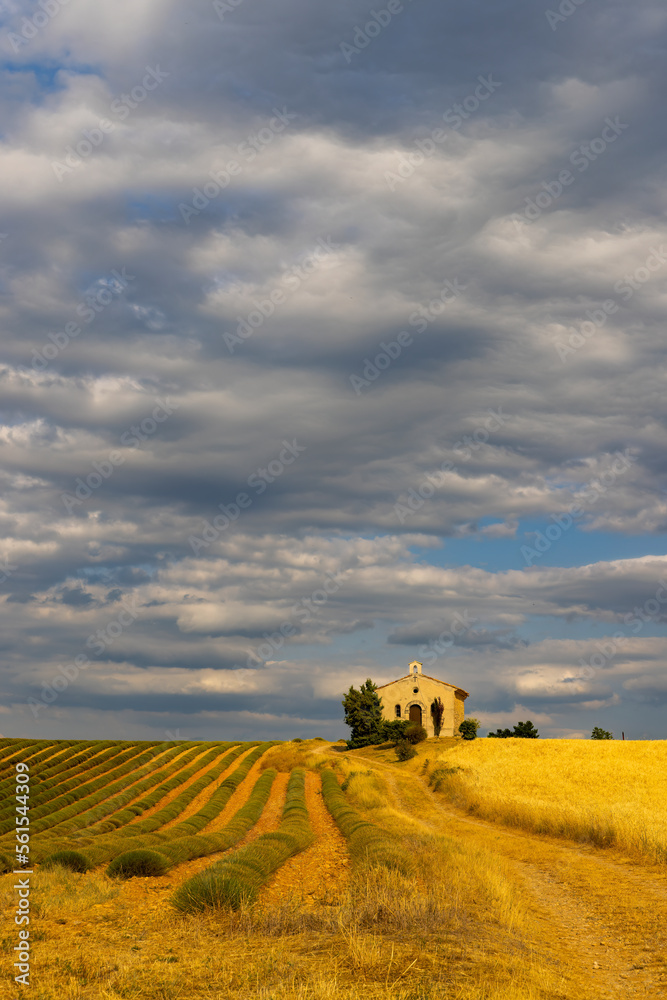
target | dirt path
x=570, y=926
x=601, y=917
x=318, y=875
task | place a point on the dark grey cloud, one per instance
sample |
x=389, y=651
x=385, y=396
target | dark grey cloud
x=556, y=324
x=75, y=597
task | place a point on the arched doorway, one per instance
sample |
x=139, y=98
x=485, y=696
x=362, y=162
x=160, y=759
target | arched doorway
x=416, y=714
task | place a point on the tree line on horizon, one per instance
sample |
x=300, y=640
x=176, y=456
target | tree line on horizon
x=363, y=714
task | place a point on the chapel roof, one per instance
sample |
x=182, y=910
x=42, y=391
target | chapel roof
x=407, y=677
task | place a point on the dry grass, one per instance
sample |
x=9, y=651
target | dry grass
x=290, y=755
x=59, y=892
x=462, y=928
x=547, y=905
x=383, y=940
x=458, y=870
x=612, y=793
x=451, y=933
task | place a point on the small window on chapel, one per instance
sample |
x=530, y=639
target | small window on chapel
x=398, y=711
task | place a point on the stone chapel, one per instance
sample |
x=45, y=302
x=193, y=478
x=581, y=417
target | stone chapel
x=410, y=697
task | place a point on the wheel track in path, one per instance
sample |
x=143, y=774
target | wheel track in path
x=601, y=916
x=320, y=874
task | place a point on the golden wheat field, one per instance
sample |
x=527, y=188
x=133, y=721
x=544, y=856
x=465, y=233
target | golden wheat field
x=302, y=870
x=609, y=792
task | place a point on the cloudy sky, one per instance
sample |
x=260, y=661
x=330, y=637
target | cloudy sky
x=332, y=338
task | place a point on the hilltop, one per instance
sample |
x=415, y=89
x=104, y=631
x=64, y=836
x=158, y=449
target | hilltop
x=345, y=874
